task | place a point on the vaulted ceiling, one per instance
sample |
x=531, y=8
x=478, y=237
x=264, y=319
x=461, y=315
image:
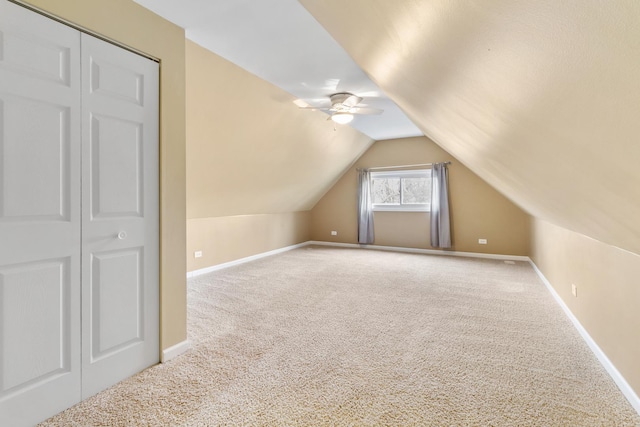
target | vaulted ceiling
x=541, y=99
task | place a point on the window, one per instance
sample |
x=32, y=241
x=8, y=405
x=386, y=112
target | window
x=408, y=190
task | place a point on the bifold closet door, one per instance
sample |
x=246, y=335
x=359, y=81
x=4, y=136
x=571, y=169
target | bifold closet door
x=79, y=215
x=120, y=223
x=39, y=216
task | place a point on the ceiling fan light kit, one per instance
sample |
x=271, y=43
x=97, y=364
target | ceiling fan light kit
x=342, y=118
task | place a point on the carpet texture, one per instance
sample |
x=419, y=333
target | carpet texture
x=349, y=337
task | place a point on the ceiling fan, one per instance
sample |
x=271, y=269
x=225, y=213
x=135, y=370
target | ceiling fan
x=343, y=107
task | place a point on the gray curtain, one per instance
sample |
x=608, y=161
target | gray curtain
x=440, y=227
x=365, y=208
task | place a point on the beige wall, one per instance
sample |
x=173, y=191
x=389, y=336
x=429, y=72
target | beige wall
x=255, y=162
x=250, y=149
x=608, y=290
x=477, y=210
x=128, y=23
x=229, y=238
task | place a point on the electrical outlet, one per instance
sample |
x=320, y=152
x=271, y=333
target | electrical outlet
x=574, y=290
x=482, y=241
x=334, y=233
x=197, y=254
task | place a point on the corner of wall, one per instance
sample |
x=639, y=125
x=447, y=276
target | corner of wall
x=224, y=239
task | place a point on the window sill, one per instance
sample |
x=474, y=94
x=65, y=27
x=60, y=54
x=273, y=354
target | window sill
x=400, y=209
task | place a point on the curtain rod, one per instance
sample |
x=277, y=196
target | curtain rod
x=402, y=166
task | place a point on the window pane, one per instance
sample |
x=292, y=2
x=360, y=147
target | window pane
x=416, y=191
x=385, y=191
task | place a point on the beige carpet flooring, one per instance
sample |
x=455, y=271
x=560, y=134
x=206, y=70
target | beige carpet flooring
x=346, y=337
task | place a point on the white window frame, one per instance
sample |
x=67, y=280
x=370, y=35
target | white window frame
x=419, y=173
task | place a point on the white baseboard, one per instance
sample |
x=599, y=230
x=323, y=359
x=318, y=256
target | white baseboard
x=422, y=251
x=617, y=377
x=205, y=270
x=174, y=351
x=243, y=260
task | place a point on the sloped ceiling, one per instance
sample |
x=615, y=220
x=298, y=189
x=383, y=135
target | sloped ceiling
x=541, y=99
x=280, y=42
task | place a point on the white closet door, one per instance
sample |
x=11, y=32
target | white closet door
x=39, y=216
x=120, y=279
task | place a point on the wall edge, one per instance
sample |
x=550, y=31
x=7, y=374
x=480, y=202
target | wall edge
x=613, y=372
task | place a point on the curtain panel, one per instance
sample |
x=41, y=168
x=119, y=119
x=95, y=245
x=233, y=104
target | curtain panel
x=365, y=208
x=440, y=219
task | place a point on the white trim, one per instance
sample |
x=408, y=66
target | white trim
x=617, y=377
x=402, y=208
x=82, y=29
x=205, y=270
x=422, y=251
x=174, y=351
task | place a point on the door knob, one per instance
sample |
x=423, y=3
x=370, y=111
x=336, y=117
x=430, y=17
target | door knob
x=122, y=235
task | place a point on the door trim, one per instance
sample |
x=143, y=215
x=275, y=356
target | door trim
x=83, y=29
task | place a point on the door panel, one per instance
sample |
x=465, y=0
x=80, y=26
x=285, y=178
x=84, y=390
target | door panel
x=117, y=179
x=35, y=302
x=115, y=81
x=120, y=214
x=48, y=61
x=42, y=167
x=39, y=216
x=118, y=309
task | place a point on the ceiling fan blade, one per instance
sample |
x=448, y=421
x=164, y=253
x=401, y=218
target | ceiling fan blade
x=315, y=108
x=312, y=103
x=366, y=111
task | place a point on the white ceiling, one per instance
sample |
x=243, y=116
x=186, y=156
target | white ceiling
x=279, y=41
